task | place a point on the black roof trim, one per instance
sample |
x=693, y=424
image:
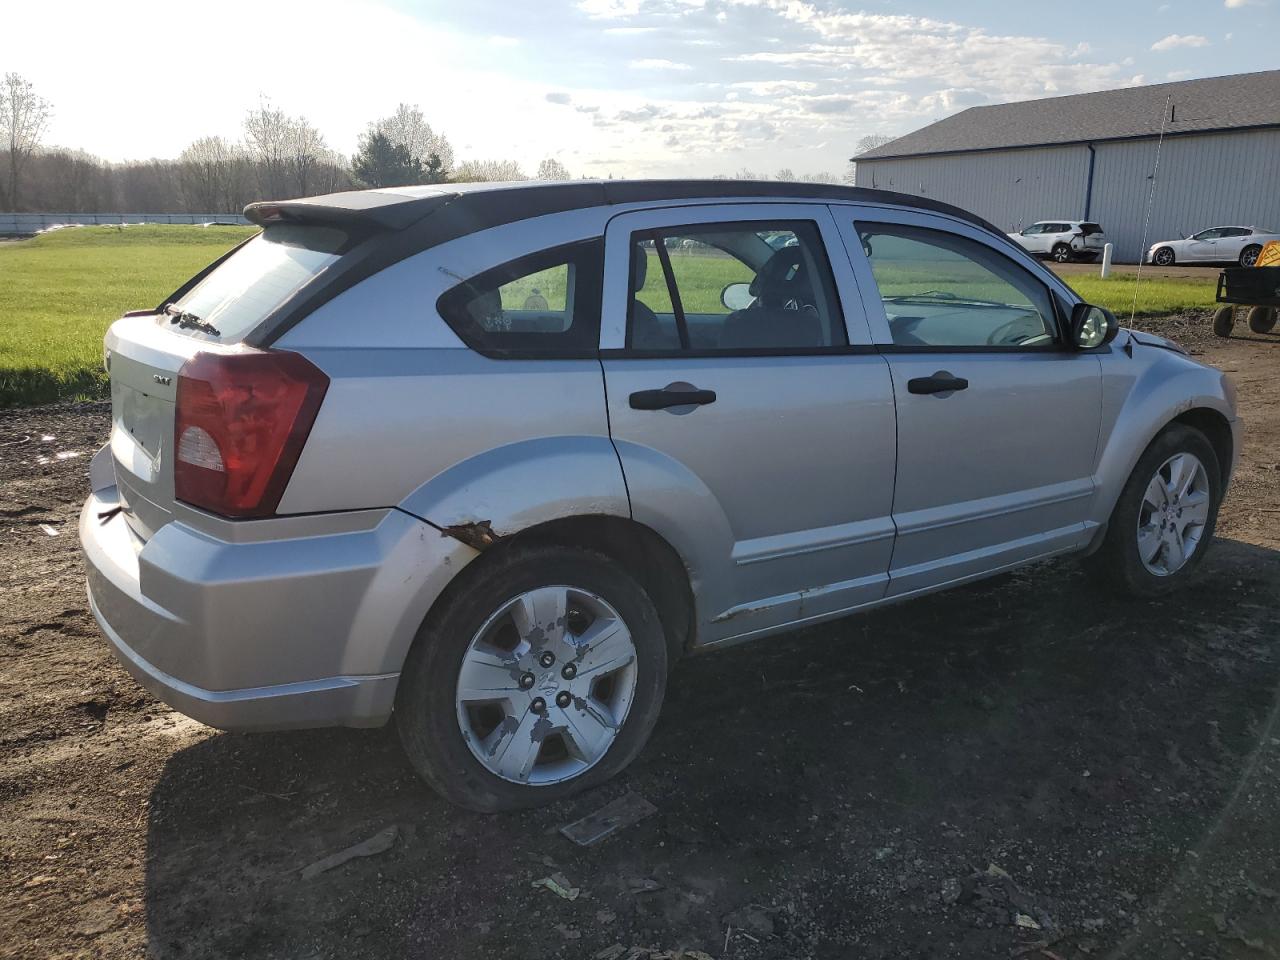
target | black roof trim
x=458, y=209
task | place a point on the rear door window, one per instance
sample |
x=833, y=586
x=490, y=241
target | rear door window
x=733, y=287
x=260, y=276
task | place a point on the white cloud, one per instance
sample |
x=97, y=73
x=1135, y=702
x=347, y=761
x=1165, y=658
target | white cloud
x=1176, y=40
x=1236, y=4
x=609, y=9
x=655, y=63
x=500, y=41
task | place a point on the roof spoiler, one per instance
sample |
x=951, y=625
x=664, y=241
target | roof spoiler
x=354, y=208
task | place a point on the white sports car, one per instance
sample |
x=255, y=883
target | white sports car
x=1216, y=245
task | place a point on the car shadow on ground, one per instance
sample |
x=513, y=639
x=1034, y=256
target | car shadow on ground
x=839, y=790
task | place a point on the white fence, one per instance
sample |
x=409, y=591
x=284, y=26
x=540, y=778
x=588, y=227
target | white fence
x=28, y=223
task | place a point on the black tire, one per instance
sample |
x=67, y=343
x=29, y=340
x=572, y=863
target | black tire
x=1163, y=257
x=1249, y=255
x=1061, y=253
x=1262, y=319
x=426, y=712
x=1117, y=565
x=1224, y=320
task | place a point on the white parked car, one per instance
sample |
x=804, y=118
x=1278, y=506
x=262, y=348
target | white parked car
x=1063, y=240
x=1216, y=245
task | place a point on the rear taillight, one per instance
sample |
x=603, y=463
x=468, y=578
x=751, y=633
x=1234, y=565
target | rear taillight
x=240, y=424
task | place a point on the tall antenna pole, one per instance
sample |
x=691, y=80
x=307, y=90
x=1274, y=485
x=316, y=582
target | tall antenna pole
x=1151, y=198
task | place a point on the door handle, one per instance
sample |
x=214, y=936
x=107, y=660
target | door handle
x=940, y=382
x=669, y=397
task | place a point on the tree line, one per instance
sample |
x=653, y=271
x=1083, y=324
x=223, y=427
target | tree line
x=278, y=155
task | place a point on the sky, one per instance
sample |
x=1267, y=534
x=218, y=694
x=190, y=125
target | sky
x=608, y=87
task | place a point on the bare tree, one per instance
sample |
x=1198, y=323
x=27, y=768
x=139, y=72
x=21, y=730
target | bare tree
x=69, y=181
x=408, y=128
x=23, y=118
x=267, y=132
x=291, y=155
x=552, y=169
x=208, y=170
x=473, y=171
x=869, y=142
x=306, y=153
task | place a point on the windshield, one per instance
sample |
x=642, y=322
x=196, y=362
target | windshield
x=256, y=279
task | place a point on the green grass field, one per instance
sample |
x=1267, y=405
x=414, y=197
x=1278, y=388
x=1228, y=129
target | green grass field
x=59, y=292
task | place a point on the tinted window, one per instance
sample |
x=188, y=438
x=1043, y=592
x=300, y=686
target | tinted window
x=260, y=276
x=1090, y=228
x=543, y=305
x=733, y=286
x=1213, y=234
x=1033, y=230
x=943, y=290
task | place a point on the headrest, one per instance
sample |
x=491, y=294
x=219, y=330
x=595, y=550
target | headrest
x=639, y=267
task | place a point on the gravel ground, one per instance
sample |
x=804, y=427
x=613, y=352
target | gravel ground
x=1016, y=768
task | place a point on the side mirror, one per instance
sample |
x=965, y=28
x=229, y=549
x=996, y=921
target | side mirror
x=737, y=296
x=1092, y=326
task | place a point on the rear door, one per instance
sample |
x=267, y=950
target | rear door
x=777, y=473
x=997, y=419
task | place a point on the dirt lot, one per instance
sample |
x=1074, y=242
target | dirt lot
x=1013, y=769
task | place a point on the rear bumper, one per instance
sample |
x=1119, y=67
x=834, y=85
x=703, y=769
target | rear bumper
x=270, y=634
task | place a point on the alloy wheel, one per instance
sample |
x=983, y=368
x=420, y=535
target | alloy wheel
x=1163, y=257
x=1173, y=514
x=546, y=684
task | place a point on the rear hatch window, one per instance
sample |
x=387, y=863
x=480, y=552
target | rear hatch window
x=256, y=279
x=1088, y=228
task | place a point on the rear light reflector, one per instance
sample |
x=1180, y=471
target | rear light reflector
x=239, y=428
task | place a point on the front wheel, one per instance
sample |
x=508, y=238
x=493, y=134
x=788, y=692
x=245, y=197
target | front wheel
x=1163, y=257
x=541, y=674
x=1061, y=253
x=1249, y=255
x=1165, y=516
x=1224, y=321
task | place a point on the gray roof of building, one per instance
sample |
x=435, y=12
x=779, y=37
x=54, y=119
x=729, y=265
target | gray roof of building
x=1215, y=103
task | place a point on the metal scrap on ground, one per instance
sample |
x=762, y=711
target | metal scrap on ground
x=613, y=816
x=380, y=842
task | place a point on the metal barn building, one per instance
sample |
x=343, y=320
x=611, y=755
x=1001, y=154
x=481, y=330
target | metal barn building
x=1092, y=157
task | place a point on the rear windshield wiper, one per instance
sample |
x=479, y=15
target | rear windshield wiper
x=189, y=321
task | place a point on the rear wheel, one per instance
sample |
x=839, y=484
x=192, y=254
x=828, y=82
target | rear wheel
x=1163, y=257
x=1165, y=516
x=1249, y=255
x=542, y=674
x=1262, y=319
x=1224, y=320
x=1061, y=253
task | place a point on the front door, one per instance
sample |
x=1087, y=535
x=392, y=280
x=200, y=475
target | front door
x=753, y=418
x=1204, y=245
x=997, y=418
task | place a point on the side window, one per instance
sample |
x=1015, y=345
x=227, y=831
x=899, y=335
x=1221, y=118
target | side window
x=944, y=290
x=1213, y=234
x=1034, y=230
x=544, y=305
x=732, y=286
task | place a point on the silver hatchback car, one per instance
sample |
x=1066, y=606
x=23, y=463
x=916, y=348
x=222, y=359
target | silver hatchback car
x=489, y=459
